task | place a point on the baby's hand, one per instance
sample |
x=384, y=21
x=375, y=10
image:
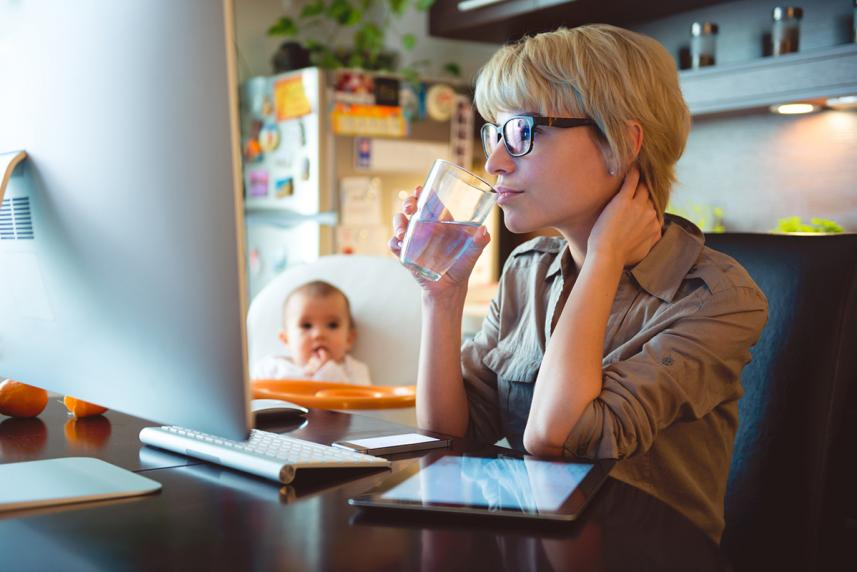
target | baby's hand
x=316, y=362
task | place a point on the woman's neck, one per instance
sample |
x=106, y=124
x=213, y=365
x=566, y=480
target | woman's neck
x=577, y=238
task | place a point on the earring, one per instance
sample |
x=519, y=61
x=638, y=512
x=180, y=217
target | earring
x=612, y=172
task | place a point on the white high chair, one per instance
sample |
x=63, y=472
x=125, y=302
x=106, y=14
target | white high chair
x=385, y=302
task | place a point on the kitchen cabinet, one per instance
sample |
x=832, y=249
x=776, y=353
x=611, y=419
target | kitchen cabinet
x=500, y=21
x=803, y=76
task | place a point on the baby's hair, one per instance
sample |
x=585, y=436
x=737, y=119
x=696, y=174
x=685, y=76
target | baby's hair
x=320, y=289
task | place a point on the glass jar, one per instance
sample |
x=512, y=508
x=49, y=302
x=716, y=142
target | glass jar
x=703, y=44
x=785, y=34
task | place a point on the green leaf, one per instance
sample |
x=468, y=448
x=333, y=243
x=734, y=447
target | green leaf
x=339, y=11
x=369, y=39
x=285, y=26
x=452, y=69
x=355, y=17
x=409, y=41
x=826, y=225
x=398, y=6
x=423, y=5
x=410, y=74
x=356, y=60
x=327, y=59
x=314, y=8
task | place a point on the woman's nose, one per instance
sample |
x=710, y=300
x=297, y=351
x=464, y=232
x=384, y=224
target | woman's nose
x=499, y=162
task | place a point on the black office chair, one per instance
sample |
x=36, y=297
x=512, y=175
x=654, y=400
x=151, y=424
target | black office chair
x=791, y=502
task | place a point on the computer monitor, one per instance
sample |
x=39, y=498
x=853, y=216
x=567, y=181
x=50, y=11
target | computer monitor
x=121, y=256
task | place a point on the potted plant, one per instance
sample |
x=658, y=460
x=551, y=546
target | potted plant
x=793, y=224
x=332, y=34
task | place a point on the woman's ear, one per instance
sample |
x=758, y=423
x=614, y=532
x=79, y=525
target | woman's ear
x=635, y=130
x=283, y=337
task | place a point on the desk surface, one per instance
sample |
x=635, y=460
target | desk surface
x=207, y=517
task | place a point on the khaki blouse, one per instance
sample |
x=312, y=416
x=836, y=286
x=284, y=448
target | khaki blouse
x=679, y=334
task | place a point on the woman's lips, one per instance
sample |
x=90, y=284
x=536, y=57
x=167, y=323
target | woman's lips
x=504, y=195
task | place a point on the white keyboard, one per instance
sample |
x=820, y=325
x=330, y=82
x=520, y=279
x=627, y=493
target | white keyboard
x=270, y=455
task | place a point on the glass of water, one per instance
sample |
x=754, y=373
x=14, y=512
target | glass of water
x=452, y=206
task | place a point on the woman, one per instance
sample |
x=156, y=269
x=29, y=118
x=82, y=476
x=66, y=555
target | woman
x=625, y=337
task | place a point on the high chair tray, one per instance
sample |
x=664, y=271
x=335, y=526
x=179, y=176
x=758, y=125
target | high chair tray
x=333, y=395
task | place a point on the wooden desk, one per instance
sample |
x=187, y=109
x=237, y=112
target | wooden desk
x=209, y=518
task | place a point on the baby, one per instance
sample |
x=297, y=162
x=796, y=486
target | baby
x=318, y=331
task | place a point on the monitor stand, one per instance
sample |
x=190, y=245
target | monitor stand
x=8, y=161
x=68, y=480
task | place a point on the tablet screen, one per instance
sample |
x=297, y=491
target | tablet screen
x=504, y=483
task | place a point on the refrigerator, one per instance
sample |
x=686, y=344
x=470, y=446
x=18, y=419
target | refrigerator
x=328, y=156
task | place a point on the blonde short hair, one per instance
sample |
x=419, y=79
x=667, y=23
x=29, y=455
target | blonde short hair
x=608, y=74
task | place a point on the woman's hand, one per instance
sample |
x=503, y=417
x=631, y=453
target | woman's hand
x=455, y=279
x=629, y=226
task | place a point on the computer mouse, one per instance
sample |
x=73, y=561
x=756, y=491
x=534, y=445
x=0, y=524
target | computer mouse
x=271, y=407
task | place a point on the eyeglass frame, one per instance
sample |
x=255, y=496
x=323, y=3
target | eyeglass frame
x=532, y=121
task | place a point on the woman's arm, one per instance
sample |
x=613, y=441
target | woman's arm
x=570, y=375
x=441, y=399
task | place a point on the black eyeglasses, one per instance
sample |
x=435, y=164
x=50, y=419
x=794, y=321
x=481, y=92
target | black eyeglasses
x=517, y=132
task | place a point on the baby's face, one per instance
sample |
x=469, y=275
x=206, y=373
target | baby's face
x=317, y=324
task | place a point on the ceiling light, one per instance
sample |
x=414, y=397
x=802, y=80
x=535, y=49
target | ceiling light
x=844, y=102
x=794, y=108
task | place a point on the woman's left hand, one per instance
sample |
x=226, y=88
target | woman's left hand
x=629, y=226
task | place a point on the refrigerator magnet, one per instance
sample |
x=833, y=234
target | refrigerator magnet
x=284, y=187
x=290, y=98
x=254, y=261
x=269, y=137
x=258, y=184
x=252, y=151
x=305, y=169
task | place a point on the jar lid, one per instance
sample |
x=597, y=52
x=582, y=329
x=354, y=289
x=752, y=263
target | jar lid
x=783, y=12
x=705, y=28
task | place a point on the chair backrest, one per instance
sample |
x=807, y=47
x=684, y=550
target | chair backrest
x=795, y=451
x=385, y=302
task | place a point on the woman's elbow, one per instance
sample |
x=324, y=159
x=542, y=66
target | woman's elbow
x=539, y=444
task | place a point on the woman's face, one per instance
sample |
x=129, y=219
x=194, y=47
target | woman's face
x=562, y=183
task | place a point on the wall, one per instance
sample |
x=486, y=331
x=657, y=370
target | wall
x=760, y=167
x=254, y=17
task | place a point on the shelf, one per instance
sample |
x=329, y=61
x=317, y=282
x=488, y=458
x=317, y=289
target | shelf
x=809, y=75
x=507, y=20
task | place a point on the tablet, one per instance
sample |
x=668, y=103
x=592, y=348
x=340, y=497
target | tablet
x=496, y=485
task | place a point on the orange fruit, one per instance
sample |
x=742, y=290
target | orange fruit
x=21, y=400
x=81, y=408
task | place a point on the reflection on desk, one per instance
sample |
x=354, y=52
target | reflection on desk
x=210, y=518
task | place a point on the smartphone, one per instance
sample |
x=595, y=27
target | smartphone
x=391, y=444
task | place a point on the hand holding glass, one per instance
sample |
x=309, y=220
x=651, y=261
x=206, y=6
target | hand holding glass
x=452, y=206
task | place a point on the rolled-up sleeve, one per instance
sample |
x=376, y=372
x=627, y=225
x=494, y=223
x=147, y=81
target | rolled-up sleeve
x=680, y=374
x=480, y=382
